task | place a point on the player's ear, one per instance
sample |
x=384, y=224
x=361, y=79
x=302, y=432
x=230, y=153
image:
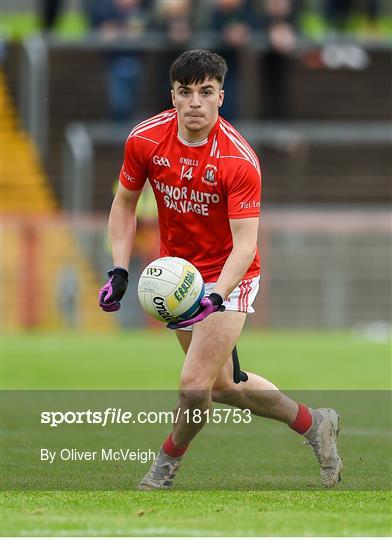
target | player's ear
x=221, y=98
x=173, y=96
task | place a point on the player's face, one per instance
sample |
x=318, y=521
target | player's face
x=197, y=106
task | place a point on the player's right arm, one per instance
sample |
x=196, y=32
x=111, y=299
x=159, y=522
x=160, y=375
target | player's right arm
x=122, y=224
x=122, y=232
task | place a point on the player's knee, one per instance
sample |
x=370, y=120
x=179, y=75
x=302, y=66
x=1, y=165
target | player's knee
x=195, y=382
x=194, y=399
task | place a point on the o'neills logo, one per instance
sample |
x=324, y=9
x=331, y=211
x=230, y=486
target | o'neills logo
x=190, y=162
x=159, y=303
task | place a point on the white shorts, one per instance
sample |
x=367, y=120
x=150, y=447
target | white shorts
x=241, y=299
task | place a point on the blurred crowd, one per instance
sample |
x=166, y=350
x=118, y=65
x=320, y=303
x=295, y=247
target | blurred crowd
x=235, y=22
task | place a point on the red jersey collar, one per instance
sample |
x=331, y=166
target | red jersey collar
x=198, y=143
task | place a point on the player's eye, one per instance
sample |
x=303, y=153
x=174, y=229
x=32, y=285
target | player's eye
x=184, y=92
x=207, y=93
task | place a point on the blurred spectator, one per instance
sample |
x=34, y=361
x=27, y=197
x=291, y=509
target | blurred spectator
x=50, y=11
x=340, y=13
x=337, y=13
x=232, y=19
x=116, y=19
x=279, y=24
x=175, y=19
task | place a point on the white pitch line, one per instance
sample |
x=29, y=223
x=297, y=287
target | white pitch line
x=147, y=531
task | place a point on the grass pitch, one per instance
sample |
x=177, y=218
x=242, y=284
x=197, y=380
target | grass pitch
x=139, y=360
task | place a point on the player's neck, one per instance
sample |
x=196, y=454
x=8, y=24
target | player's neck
x=193, y=137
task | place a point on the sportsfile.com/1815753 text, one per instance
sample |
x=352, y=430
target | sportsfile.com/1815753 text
x=111, y=416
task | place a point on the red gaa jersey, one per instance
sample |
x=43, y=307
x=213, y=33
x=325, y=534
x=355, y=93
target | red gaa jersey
x=198, y=187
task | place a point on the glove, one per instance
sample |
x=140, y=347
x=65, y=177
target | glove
x=209, y=304
x=112, y=292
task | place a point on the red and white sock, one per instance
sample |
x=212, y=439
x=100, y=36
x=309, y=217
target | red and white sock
x=171, y=449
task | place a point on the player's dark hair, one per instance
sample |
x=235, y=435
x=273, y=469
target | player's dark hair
x=194, y=67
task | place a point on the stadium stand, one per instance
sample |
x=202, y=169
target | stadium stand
x=32, y=195
x=315, y=274
x=33, y=230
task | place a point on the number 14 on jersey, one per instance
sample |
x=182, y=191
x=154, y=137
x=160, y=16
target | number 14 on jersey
x=186, y=172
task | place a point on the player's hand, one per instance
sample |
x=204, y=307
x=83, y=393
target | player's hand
x=112, y=292
x=209, y=304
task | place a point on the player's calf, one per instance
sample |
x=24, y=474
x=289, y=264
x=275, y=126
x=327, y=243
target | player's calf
x=189, y=419
x=190, y=415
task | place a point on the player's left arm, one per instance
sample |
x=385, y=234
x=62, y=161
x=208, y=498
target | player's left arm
x=244, y=232
x=243, y=205
x=243, y=202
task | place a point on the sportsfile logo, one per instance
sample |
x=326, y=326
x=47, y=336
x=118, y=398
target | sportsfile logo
x=163, y=161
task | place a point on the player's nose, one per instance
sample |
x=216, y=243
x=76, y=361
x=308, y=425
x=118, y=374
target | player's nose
x=195, y=100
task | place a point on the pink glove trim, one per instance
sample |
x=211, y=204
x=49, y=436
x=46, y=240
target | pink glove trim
x=206, y=308
x=105, y=293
